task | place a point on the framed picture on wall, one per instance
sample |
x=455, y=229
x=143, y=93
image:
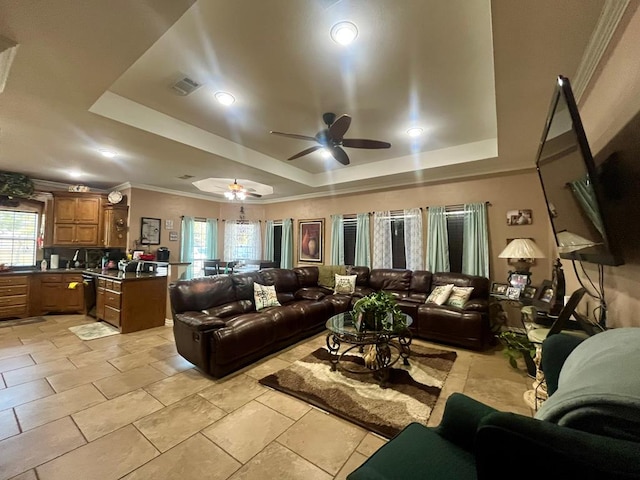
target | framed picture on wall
x=310, y=240
x=150, y=231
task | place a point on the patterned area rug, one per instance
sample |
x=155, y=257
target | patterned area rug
x=20, y=321
x=91, y=331
x=411, y=394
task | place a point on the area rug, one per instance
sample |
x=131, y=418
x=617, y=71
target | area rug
x=20, y=321
x=411, y=394
x=91, y=331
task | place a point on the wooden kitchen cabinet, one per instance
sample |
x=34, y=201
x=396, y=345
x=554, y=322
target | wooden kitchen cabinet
x=115, y=226
x=14, y=296
x=55, y=295
x=77, y=219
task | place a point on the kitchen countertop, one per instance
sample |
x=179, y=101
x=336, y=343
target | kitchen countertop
x=111, y=274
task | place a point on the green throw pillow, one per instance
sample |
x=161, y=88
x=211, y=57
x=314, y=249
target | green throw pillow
x=326, y=274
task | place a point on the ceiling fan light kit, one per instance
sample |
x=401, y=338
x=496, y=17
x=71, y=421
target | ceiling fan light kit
x=332, y=139
x=344, y=32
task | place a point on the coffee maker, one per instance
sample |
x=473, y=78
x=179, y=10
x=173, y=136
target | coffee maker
x=162, y=254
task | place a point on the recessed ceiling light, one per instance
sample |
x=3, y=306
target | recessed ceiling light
x=75, y=174
x=414, y=132
x=107, y=153
x=344, y=33
x=224, y=98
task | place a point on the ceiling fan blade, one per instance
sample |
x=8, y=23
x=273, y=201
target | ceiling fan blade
x=364, y=143
x=306, y=151
x=294, y=135
x=340, y=155
x=257, y=195
x=339, y=127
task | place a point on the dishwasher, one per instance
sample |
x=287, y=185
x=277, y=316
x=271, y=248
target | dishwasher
x=89, y=294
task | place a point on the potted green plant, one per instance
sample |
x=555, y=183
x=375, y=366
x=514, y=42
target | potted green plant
x=378, y=311
x=517, y=345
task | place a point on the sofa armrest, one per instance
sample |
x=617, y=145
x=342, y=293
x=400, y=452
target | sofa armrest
x=199, y=321
x=477, y=305
x=460, y=420
x=561, y=452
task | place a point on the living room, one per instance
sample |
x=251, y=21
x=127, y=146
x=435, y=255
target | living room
x=609, y=107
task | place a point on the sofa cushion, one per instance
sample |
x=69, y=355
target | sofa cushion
x=307, y=276
x=362, y=274
x=265, y=296
x=440, y=294
x=459, y=296
x=391, y=280
x=310, y=293
x=345, y=284
x=326, y=274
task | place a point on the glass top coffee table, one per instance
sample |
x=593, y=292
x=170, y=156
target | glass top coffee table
x=369, y=351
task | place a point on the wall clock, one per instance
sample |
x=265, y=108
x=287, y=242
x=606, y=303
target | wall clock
x=114, y=197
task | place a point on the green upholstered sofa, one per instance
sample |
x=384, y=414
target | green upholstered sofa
x=475, y=441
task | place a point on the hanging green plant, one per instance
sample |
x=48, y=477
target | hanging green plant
x=15, y=185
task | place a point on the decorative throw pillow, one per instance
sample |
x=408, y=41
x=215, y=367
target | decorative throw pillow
x=326, y=274
x=440, y=294
x=345, y=284
x=459, y=296
x=265, y=296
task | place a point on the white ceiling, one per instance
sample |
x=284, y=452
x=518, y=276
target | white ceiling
x=477, y=76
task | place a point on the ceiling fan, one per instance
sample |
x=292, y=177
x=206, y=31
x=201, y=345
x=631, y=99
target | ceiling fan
x=238, y=192
x=332, y=139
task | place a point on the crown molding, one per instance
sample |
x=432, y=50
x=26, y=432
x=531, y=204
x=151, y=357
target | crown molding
x=45, y=185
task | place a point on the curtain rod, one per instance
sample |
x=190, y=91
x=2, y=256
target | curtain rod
x=461, y=205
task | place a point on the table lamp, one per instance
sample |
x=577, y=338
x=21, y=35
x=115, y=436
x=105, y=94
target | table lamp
x=523, y=250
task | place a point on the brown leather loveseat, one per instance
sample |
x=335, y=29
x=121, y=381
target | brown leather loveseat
x=218, y=329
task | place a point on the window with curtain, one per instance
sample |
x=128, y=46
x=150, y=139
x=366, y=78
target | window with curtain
x=18, y=237
x=397, y=239
x=349, y=227
x=455, y=229
x=242, y=240
x=200, y=241
x=277, y=243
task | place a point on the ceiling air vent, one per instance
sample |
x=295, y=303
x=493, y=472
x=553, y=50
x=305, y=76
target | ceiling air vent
x=185, y=86
x=185, y=177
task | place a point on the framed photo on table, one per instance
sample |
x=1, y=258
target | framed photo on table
x=499, y=288
x=311, y=240
x=513, y=293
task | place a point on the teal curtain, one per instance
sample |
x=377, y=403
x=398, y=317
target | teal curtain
x=586, y=197
x=287, y=244
x=212, y=238
x=337, y=240
x=268, y=241
x=475, y=240
x=186, y=244
x=437, y=241
x=363, y=241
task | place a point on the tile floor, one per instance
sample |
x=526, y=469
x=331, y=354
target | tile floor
x=128, y=406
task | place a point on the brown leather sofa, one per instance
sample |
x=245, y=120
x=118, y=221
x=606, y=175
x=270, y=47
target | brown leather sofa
x=218, y=329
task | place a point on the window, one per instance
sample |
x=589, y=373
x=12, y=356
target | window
x=277, y=243
x=242, y=241
x=349, y=228
x=18, y=233
x=397, y=242
x=455, y=228
x=200, y=241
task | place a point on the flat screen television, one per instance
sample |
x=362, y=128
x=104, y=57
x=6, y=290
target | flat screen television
x=572, y=184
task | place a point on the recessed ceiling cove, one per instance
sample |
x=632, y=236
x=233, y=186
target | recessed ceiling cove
x=221, y=185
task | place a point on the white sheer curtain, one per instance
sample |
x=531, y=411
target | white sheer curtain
x=242, y=241
x=413, y=239
x=382, y=254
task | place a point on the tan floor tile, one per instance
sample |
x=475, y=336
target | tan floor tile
x=109, y=416
x=12, y=363
x=267, y=367
x=135, y=346
x=246, y=431
x=497, y=393
x=108, y=458
x=171, y=425
x=61, y=352
x=296, y=353
x=53, y=407
x=27, y=392
x=322, y=439
x=196, y=458
x=28, y=475
x=26, y=349
x=25, y=451
x=34, y=372
x=355, y=460
x=145, y=357
x=7, y=341
x=370, y=444
x=172, y=365
x=106, y=342
x=97, y=356
x=128, y=381
x=81, y=376
x=233, y=392
x=276, y=461
x=179, y=386
x=8, y=424
x=284, y=404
